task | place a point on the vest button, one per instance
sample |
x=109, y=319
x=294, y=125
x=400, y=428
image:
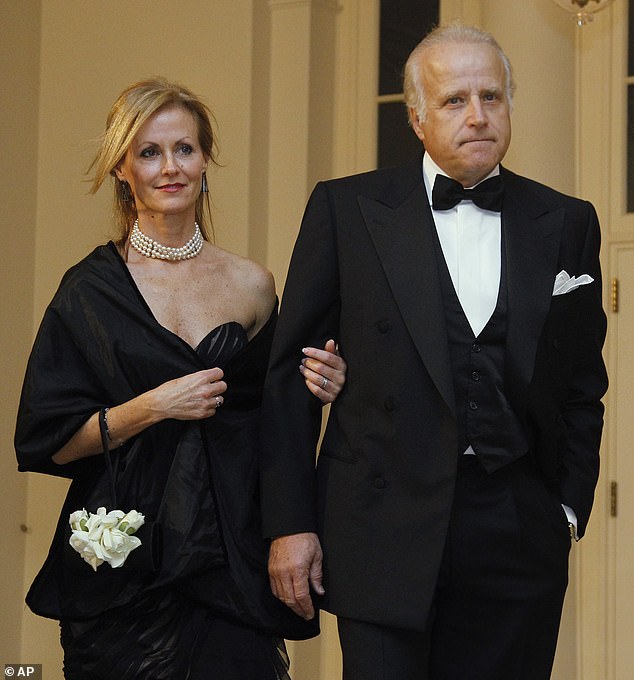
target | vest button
x=379, y=483
x=473, y=405
x=475, y=376
x=384, y=326
x=476, y=347
x=389, y=404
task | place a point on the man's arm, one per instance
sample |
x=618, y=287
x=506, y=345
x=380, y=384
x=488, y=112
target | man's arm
x=583, y=411
x=291, y=415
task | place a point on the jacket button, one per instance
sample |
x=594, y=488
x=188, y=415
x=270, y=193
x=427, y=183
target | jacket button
x=473, y=405
x=476, y=347
x=379, y=483
x=384, y=326
x=475, y=376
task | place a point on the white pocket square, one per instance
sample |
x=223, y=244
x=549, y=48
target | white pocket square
x=564, y=283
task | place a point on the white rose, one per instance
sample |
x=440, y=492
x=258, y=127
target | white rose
x=105, y=536
x=109, y=519
x=102, y=520
x=78, y=520
x=89, y=551
x=116, y=545
x=132, y=522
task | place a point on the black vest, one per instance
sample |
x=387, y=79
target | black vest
x=486, y=420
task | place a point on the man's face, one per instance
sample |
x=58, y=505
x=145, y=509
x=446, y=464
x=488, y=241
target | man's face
x=467, y=128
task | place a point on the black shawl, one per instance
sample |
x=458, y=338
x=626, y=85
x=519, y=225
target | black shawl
x=100, y=345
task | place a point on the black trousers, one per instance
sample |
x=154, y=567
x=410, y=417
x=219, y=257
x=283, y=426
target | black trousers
x=499, y=593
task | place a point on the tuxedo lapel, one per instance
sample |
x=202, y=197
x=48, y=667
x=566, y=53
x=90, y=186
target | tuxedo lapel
x=401, y=227
x=401, y=230
x=532, y=233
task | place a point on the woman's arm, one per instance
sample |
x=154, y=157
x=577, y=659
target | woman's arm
x=191, y=397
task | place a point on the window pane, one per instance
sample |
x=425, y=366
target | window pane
x=630, y=148
x=397, y=142
x=403, y=25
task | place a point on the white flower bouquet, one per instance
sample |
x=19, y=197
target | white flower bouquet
x=105, y=536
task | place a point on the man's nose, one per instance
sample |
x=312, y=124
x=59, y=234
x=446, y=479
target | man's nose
x=475, y=112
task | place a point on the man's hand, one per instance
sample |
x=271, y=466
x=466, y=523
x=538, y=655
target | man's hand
x=294, y=567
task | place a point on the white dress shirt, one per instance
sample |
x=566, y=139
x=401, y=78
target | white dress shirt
x=470, y=238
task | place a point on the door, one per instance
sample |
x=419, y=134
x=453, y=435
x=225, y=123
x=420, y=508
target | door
x=622, y=401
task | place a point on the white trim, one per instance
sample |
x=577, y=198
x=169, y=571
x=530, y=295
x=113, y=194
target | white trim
x=356, y=90
x=600, y=150
x=291, y=4
x=390, y=98
x=621, y=222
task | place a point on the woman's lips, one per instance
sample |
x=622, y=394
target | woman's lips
x=171, y=188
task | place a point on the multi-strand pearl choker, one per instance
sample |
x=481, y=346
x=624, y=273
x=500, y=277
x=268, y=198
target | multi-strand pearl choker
x=150, y=248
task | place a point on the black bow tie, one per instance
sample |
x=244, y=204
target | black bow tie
x=486, y=195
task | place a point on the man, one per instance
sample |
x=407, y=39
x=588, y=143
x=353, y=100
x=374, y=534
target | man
x=463, y=452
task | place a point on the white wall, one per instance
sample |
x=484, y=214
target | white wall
x=19, y=52
x=539, y=38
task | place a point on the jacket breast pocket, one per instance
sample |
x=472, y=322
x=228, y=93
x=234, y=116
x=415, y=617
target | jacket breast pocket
x=342, y=454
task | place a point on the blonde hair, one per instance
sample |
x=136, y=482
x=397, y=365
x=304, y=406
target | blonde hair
x=457, y=33
x=130, y=111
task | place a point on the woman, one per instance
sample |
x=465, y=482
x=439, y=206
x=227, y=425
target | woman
x=159, y=349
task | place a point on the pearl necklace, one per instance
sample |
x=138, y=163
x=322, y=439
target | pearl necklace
x=148, y=247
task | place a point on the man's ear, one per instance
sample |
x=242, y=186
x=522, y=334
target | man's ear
x=414, y=121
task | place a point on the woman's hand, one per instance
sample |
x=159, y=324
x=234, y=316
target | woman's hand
x=192, y=397
x=324, y=371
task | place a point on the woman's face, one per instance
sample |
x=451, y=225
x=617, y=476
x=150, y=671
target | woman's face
x=164, y=164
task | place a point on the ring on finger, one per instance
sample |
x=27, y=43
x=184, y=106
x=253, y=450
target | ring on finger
x=218, y=402
x=324, y=382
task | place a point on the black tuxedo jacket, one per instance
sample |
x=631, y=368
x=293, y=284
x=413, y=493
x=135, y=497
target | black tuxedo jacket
x=364, y=272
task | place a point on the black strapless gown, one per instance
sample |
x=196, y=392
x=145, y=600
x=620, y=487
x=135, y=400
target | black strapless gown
x=175, y=631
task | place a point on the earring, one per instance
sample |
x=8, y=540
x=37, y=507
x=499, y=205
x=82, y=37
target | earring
x=203, y=186
x=126, y=192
